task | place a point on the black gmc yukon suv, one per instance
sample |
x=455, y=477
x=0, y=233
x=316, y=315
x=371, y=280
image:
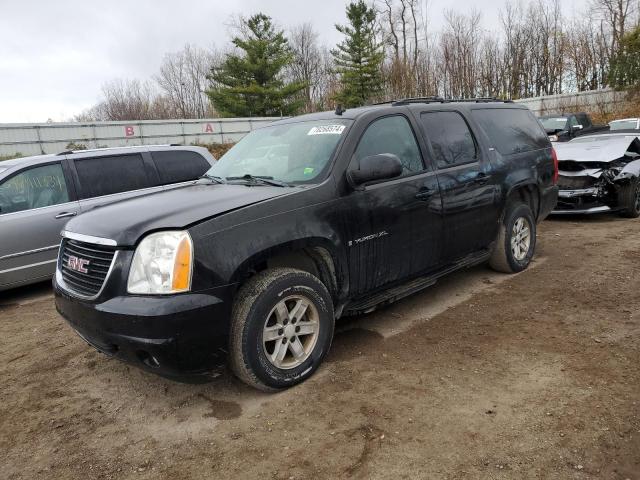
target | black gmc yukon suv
x=300, y=223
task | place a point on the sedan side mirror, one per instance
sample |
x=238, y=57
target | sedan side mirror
x=575, y=128
x=383, y=166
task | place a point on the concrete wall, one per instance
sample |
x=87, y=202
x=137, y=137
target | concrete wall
x=594, y=101
x=35, y=139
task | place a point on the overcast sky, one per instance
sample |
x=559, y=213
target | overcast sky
x=56, y=54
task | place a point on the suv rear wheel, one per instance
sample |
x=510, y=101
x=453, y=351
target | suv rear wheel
x=281, y=328
x=516, y=242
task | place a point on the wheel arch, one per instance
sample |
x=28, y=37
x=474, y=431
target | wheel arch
x=526, y=191
x=317, y=256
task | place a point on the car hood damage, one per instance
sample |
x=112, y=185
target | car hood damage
x=126, y=221
x=593, y=172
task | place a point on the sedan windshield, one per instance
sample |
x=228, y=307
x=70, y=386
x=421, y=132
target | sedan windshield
x=292, y=152
x=554, y=123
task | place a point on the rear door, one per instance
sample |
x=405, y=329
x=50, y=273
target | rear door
x=467, y=186
x=35, y=204
x=107, y=179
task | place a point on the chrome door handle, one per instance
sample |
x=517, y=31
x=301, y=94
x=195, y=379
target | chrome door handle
x=66, y=214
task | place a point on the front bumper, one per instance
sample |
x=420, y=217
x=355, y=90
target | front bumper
x=178, y=336
x=581, y=201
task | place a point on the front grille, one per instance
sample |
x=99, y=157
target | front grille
x=84, y=266
x=573, y=183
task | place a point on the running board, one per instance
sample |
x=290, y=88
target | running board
x=391, y=295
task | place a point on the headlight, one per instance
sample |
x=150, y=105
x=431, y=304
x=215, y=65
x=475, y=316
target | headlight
x=553, y=138
x=162, y=264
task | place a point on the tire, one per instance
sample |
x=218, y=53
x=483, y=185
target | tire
x=505, y=257
x=258, y=314
x=629, y=199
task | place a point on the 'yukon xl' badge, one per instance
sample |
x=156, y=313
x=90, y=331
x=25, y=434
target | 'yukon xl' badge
x=78, y=264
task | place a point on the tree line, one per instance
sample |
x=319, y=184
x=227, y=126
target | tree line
x=388, y=51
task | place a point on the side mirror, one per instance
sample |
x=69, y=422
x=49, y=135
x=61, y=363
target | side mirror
x=376, y=167
x=575, y=128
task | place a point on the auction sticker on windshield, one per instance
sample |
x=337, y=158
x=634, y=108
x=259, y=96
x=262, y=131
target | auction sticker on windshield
x=327, y=130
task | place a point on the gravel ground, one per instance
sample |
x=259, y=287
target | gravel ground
x=482, y=376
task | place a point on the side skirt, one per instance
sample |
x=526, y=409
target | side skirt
x=371, y=302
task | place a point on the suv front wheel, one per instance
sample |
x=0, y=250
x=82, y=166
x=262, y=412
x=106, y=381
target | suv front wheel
x=516, y=240
x=281, y=328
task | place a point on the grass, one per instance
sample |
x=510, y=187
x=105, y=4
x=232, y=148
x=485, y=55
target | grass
x=9, y=157
x=216, y=149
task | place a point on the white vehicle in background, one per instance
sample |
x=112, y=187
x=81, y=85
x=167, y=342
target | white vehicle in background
x=625, y=124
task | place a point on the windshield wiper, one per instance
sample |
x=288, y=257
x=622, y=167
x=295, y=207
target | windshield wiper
x=260, y=180
x=214, y=178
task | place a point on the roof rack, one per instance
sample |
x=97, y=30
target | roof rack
x=482, y=100
x=407, y=101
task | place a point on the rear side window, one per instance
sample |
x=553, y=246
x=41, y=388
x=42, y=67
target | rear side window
x=179, y=166
x=108, y=175
x=511, y=130
x=450, y=138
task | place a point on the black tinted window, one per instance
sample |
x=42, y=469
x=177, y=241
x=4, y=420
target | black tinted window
x=584, y=120
x=392, y=135
x=179, y=166
x=511, y=130
x=107, y=175
x=450, y=138
x=34, y=188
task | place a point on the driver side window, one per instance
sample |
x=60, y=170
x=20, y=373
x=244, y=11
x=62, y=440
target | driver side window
x=392, y=135
x=34, y=188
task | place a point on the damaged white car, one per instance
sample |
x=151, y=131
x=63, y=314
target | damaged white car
x=599, y=173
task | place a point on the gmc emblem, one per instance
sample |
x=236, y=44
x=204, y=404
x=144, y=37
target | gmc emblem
x=78, y=264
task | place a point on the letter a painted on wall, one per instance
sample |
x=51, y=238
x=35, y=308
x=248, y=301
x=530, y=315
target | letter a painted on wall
x=129, y=131
x=208, y=128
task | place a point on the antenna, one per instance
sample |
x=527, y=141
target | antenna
x=340, y=110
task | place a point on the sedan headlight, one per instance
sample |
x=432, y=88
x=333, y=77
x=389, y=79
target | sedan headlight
x=162, y=264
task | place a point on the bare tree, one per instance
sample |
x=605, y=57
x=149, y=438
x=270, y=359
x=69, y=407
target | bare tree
x=127, y=100
x=616, y=16
x=307, y=65
x=183, y=80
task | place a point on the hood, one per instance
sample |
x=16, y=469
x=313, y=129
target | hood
x=601, y=149
x=126, y=221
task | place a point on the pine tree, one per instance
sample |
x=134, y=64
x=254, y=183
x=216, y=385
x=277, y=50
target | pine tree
x=359, y=57
x=251, y=83
x=624, y=71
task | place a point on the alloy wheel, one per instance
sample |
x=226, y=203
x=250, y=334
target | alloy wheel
x=520, y=239
x=290, y=332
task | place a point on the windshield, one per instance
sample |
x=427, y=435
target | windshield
x=553, y=123
x=292, y=152
x=624, y=125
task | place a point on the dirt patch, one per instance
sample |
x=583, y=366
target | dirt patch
x=527, y=376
